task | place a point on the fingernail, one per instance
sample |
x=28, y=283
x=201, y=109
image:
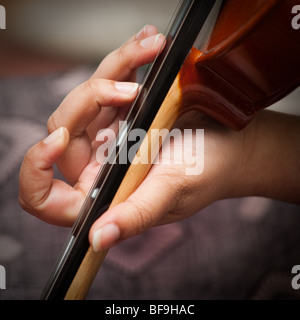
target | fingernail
x=141, y=33
x=54, y=136
x=150, y=42
x=126, y=87
x=105, y=237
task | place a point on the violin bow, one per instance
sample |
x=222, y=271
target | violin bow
x=233, y=74
x=157, y=106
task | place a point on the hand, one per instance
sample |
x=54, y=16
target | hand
x=260, y=160
x=235, y=163
x=98, y=103
x=166, y=195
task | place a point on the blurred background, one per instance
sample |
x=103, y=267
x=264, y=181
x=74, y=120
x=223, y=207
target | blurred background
x=77, y=30
x=234, y=249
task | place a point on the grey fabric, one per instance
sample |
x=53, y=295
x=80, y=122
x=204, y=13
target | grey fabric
x=234, y=249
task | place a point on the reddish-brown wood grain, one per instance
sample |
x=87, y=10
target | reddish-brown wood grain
x=251, y=61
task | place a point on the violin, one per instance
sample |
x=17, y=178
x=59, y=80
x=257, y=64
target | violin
x=227, y=59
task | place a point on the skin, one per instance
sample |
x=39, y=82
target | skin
x=261, y=160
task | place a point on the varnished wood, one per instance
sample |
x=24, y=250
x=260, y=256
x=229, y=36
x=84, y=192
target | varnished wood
x=136, y=173
x=249, y=62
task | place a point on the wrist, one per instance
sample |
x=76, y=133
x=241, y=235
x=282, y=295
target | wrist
x=269, y=157
x=242, y=164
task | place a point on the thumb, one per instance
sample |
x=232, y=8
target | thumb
x=51, y=200
x=142, y=210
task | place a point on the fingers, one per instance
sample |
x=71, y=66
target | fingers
x=146, y=32
x=78, y=110
x=141, y=49
x=70, y=144
x=143, y=209
x=84, y=103
x=39, y=194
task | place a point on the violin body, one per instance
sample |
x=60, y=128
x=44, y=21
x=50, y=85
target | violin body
x=249, y=61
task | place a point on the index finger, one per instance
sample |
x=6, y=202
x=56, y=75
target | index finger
x=121, y=64
x=77, y=111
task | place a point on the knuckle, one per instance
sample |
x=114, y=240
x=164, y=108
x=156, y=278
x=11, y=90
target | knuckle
x=34, y=204
x=29, y=205
x=54, y=122
x=30, y=201
x=142, y=215
x=29, y=160
x=91, y=85
x=127, y=58
x=25, y=204
x=122, y=51
x=93, y=89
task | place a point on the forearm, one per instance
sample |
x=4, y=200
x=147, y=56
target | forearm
x=273, y=164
